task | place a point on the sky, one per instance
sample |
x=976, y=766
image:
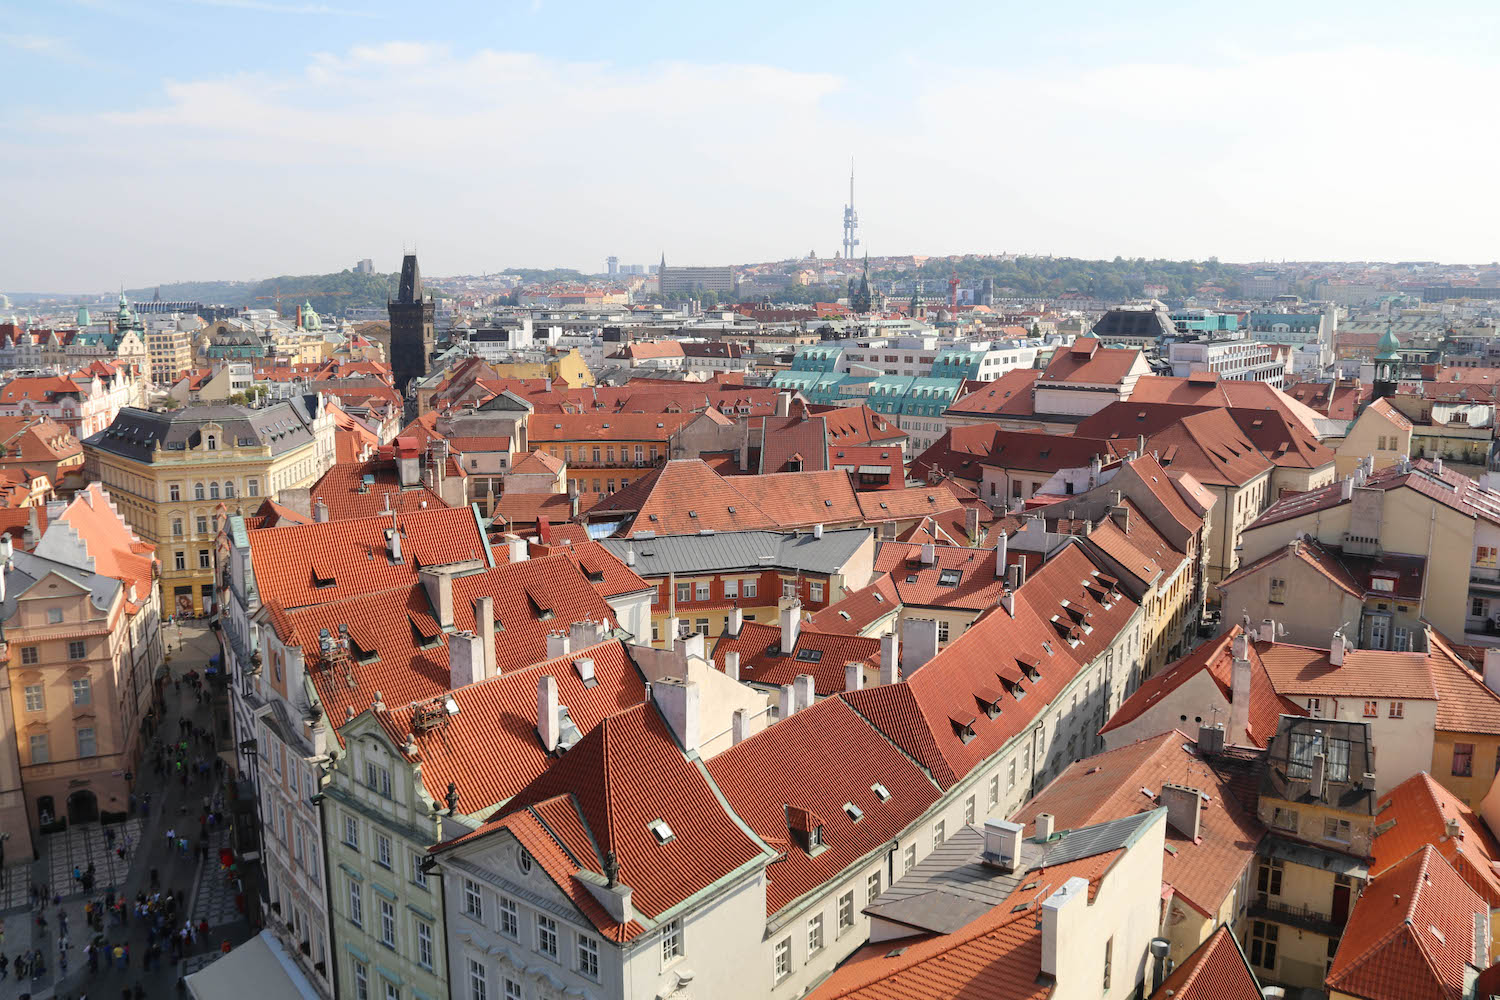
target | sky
x=149, y=142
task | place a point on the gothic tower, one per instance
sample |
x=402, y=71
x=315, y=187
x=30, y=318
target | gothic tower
x=1387, y=365
x=411, y=326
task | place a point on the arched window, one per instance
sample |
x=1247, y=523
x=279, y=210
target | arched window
x=229, y=489
x=213, y=442
x=213, y=491
x=197, y=491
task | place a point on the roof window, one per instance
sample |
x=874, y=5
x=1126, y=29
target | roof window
x=949, y=577
x=853, y=811
x=661, y=831
x=809, y=655
x=881, y=792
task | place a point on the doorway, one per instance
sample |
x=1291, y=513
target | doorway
x=83, y=807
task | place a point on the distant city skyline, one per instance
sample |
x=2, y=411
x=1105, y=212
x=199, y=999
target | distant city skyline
x=224, y=139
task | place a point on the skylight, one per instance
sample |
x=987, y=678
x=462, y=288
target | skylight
x=661, y=831
x=881, y=792
x=853, y=811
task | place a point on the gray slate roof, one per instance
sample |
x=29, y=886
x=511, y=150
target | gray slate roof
x=739, y=550
x=284, y=426
x=27, y=569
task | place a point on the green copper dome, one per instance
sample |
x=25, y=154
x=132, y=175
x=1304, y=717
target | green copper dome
x=83, y=317
x=1390, y=347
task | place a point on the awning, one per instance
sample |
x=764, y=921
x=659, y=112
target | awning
x=259, y=969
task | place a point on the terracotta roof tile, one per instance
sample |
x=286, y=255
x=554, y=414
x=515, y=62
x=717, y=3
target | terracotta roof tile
x=858, y=609
x=1216, y=970
x=344, y=490
x=964, y=578
x=1422, y=809
x=824, y=655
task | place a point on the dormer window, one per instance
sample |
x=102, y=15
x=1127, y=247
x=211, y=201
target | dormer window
x=963, y=727
x=213, y=442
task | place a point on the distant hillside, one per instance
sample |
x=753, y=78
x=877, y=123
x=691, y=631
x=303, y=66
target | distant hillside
x=327, y=292
x=1107, y=279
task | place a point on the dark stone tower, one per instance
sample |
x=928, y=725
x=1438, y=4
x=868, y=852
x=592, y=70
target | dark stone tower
x=411, y=326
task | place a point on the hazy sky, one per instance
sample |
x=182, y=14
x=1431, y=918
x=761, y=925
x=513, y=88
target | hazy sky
x=196, y=139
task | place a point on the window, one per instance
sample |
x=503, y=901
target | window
x=179, y=560
x=872, y=887
x=1263, y=944
x=1268, y=880
x=1278, y=591
x=198, y=491
x=229, y=489
x=201, y=524
x=479, y=982
x=684, y=593
x=1284, y=819
x=700, y=625
x=213, y=442
x=34, y=699
x=1463, y=760
x=351, y=832
x=783, y=966
x=378, y=779
x=1372, y=709
x=700, y=592
x=361, y=982
x=87, y=745
x=473, y=901
x=213, y=491
x=588, y=956
x=54, y=616
x=387, y=923
x=28, y=656
x=731, y=588
x=815, y=591
x=418, y=876
x=815, y=934
x=356, y=904
x=76, y=649
x=1109, y=954
x=174, y=492
x=40, y=752
x=177, y=527
x=752, y=588
x=846, y=911
x=546, y=936
x=253, y=487
x=939, y=833
x=512, y=990
x=1336, y=829
x=382, y=850
x=203, y=562
x=995, y=790
x=510, y=918
x=788, y=588
x=671, y=941
x=909, y=857
x=1398, y=709
x=1486, y=556
x=1315, y=707
x=392, y=991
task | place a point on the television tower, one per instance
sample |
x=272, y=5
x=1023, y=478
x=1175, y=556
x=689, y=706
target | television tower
x=851, y=219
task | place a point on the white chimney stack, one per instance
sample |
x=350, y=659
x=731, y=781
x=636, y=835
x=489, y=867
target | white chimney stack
x=320, y=511
x=736, y=622
x=1239, y=699
x=484, y=627
x=1061, y=912
x=818, y=530
x=465, y=659
x=854, y=676
x=1044, y=823
x=558, y=644
x=1337, y=648
x=786, y=705
x=929, y=553
x=739, y=725
x=918, y=644
x=1492, y=669
x=1002, y=546
x=1346, y=488
x=1267, y=630
x=804, y=690
x=791, y=625
x=679, y=701
x=548, y=721
x=1184, y=809
x=732, y=664
x=1002, y=843
x=890, y=645
x=1008, y=601
x=517, y=546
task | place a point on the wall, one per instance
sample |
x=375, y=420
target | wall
x=1312, y=607
x=1486, y=757
x=1198, y=698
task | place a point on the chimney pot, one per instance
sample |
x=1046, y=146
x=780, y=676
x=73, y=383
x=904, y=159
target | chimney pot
x=1044, y=823
x=890, y=645
x=854, y=676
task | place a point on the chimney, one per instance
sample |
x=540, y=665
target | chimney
x=802, y=688
x=971, y=523
x=693, y=644
x=465, y=659
x=439, y=585
x=678, y=700
x=929, y=553
x=1044, y=824
x=1319, y=772
x=1239, y=696
x=408, y=463
x=1337, y=648
x=630, y=555
x=786, y=703
x=484, y=627
x=854, y=676
x=517, y=546
x=1061, y=913
x=33, y=532
x=393, y=544
x=736, y=622
x=1184, y=809
x=818, y=530
x=1437, y=465
x=1015, y=575
x=918, y=644
x=320, y=511
x=558, y=644
x=1346, y=488
x=1121, y=515
x=669, y=636
x=586, y=633
x=791, y=625
x=890, y=645
x=1002, y=550
x=732, y=664
x=1008, y=601
x=1159, y=948
x=1002, y=844
x=783, y=404
x=1492, y=669
x=739, y=724
x=1210, y=739
x=1267, y=630
x=548, y=721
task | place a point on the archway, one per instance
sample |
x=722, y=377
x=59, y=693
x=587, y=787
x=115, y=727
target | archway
x=83, y=807
x=46, y=810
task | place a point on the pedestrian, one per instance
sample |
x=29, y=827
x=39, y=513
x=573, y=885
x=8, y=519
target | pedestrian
x=4, y=965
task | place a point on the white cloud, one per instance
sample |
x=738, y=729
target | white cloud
x=32, y=43
x=268, y=7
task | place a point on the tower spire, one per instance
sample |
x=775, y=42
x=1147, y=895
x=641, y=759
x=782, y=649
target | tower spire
x=851, y=218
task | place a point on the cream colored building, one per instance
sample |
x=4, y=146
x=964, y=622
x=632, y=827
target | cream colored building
x=169, y=351
x=178, y=475
x=1380, y=432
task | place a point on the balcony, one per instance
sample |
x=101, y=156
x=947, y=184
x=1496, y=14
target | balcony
x=1305, y=918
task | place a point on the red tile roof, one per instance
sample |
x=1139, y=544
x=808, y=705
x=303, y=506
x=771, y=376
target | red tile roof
x=479, y=445
x=114, y=546
x=490, y=750
x=1216, y=970
x=1222, y=392
x=344, y=491
x=821, y=654
x=593, y=802
x=1086, y=362
x=1348, y=397
x=912, y=501
x=1422, y=809
x=1211, y=447
x=518, y=511
x=857, y=609
x=1410, y=935
x=1465, y=702
x=798, y=499
x=570, y=427
x=1110, y=785
x=664, y=500
x=1299, y=671
x=603, y=569
x=1010, y=395
x=1451, y=488
x=859, y=425
x=789, y=765
x=917, y=584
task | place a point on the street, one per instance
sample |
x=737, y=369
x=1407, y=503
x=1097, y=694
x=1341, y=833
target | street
x=134, y=861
